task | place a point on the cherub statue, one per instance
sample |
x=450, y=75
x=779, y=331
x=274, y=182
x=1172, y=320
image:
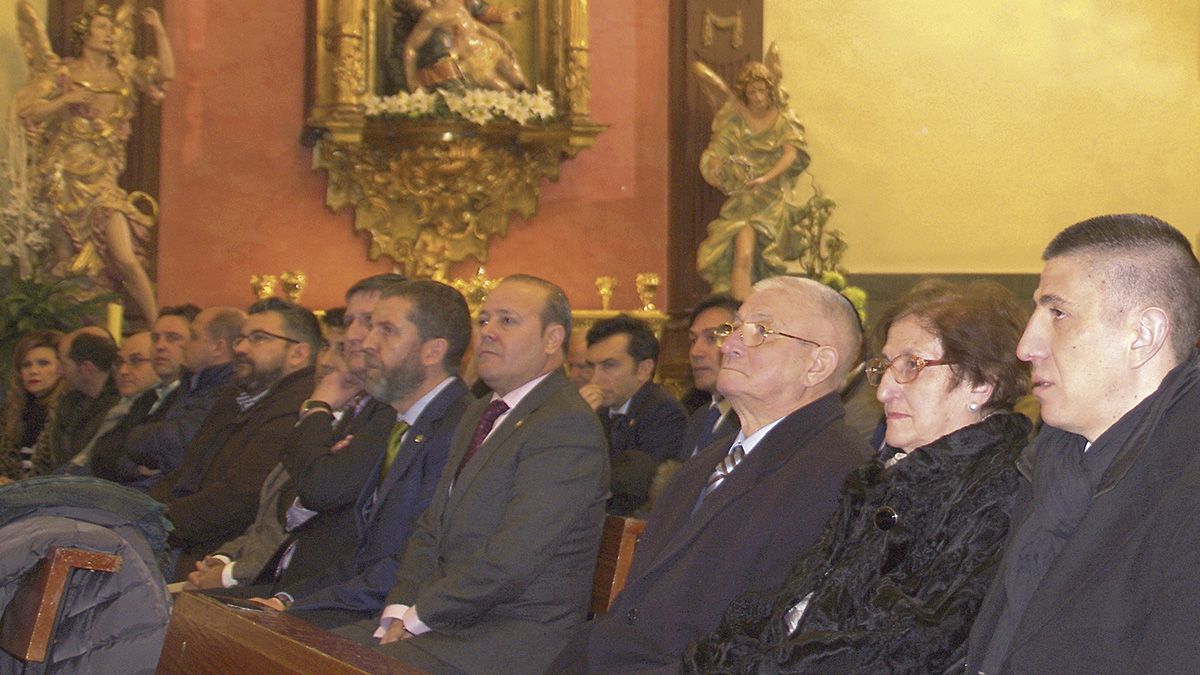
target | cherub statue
x=76, y=112
x=451, y=44
x=754, y=156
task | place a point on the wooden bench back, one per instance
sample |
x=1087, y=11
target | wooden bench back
x=617, y=545
x=27, y=627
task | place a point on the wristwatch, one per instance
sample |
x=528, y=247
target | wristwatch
x=313, y=404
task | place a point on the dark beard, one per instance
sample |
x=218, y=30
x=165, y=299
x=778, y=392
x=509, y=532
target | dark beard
x=397, y=383
x=254, y=382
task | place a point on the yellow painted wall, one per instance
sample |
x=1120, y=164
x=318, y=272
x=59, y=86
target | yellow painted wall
x=12, y=63
x=959, y=137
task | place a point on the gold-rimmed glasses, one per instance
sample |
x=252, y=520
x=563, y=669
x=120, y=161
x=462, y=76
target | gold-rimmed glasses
x=752, y=333
x=905, y=368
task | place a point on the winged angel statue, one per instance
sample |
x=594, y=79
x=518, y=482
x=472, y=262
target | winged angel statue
x=755, y=154
x=74, y=115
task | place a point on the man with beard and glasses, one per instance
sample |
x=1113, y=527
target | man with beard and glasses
x=419, y=332
x=309, y=496
x=214, y=493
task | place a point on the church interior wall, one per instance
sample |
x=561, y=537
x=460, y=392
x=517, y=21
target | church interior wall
x=960, y=137
x=239, y=196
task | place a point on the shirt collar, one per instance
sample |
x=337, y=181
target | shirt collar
x=748, y=442
x=513, y=398
x=414, y=411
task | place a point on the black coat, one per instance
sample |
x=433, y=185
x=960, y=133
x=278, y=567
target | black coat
x=1121, y=596
x=649, y=432
x=900, y=569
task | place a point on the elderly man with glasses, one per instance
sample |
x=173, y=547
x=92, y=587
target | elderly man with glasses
x=738, y=513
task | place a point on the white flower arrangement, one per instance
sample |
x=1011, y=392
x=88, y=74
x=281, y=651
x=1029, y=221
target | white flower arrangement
x=478, y=106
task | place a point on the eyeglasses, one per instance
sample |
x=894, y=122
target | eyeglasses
x=905, y=368
x=257, y=337
x=135, y=361
x=752, y=334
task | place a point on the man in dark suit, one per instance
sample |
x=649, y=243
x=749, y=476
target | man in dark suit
x=1099, y=573
x=213, y=496
x=642, y=422
x=736, y=515
x=419, y=332
x=317, y=466
x=499, y=568
x=716, y=418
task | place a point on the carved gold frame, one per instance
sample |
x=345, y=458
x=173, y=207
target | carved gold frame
x=432, y=193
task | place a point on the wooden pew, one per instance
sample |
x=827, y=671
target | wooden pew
x=617, y=544
x=27, y=627
x=206, y=636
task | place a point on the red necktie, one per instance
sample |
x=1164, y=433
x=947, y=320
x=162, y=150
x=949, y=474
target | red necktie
x=494, y=410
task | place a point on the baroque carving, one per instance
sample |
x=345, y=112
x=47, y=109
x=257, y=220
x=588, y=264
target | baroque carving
x=429, y=185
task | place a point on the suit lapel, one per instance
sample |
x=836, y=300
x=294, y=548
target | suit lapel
x=500, y=434
x=779, y=446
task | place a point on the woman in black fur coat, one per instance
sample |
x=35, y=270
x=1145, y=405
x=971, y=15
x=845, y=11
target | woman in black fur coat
x=900, y=570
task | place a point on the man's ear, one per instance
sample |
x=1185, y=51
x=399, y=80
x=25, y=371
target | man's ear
x=1152, y=329
x=645, y=370
x=433, y=351
x=552, y=338
x=824, y=365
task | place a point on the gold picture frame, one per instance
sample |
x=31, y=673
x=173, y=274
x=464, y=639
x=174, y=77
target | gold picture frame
x=434, y=190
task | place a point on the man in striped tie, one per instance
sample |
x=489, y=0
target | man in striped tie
x=737, y=514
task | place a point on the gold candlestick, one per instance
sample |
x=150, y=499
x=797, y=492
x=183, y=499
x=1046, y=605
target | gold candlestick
x=606, y=286
x=647, y=288
x=294, y=284
x=263, y=285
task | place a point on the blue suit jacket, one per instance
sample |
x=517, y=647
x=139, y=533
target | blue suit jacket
x=384, y=517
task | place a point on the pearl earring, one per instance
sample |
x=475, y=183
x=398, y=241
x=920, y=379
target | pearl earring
x=973, y=407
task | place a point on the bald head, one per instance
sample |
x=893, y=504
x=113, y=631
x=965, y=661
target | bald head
x=833, y=319
x=135, y=367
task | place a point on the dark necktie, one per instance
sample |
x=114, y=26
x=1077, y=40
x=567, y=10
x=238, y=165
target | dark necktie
x=708, y=431
x=393, y=447
x=618, y=434
x=494, y=410
x=734, y=457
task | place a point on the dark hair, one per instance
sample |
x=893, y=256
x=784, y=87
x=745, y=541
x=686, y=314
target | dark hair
x=100, y=351
x=556, y=310
x=978, y=325
x=377, y=283
x=642, y=343
x=14, y=401
x=438, y=311
x=298, y=323
x=334, y=318
x=1145, y=262
x=720, y=300
x=187, y=310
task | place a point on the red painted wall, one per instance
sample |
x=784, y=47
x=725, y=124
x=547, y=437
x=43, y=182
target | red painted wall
x=239, y=195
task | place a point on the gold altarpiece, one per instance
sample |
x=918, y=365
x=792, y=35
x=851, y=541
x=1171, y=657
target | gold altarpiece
x=433, y=192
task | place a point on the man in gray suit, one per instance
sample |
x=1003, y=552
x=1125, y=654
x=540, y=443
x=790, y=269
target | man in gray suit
x=498, y=571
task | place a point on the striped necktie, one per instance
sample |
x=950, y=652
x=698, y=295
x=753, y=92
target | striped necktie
x=734, y=457
x=393, y=447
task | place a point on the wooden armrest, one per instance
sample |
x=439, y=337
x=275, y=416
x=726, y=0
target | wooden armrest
x=617, y=545
x=28, y=622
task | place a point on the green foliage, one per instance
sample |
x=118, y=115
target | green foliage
x=52, y=304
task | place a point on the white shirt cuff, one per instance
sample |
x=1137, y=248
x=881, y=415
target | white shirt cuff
x=412, y=622
x=227, y=579
x=390, y=613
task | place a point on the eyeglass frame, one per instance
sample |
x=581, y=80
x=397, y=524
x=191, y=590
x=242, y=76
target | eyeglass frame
x=259, y=340
x=880, y=365
x=724, y=331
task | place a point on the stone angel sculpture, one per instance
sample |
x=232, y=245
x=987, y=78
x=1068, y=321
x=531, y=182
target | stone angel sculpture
x=755, y=154
x=76, y=113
